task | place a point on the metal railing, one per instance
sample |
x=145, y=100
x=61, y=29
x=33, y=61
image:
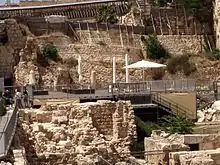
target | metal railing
x=184, y=85
x=175, y=108
x=8, y=131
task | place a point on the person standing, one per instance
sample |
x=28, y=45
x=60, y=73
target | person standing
x=18, y=97
x=25, y=96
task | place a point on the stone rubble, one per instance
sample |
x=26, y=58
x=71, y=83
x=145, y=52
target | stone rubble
x=161, y=143
x=210, y=114
x=86, y=132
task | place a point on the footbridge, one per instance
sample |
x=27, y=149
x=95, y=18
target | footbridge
x=74, y=10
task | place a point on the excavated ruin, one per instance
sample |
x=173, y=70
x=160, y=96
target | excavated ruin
x=75, y=133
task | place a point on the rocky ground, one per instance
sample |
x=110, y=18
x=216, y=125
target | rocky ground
x=211, y=113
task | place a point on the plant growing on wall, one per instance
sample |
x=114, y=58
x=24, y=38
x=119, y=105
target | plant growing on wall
x=107, y=14
x=177, y=124
x=50, y=52
x=154, y=48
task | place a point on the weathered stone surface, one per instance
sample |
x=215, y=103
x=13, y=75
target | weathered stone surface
x=203, y=157
x=210, y=114
x=89, y=132
x=162, y=145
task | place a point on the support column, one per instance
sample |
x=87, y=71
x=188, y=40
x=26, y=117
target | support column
x=126, y=69
x=93, y=79
x=114, y=71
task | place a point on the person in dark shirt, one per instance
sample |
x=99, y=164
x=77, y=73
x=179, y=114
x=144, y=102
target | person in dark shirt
x=25, y=95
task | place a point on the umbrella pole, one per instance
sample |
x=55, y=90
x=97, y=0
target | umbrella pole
x=143, y=74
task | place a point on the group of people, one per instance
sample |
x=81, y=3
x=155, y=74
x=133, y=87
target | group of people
x=22, y=98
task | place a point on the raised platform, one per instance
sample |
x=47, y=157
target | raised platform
x=78, y=91
x=40, y=92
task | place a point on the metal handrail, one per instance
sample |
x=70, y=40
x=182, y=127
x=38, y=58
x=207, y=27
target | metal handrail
x=173, y=106
x=156, y=86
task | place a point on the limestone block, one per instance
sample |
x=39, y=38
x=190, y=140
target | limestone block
x=193, y=139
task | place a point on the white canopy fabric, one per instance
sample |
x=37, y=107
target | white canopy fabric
x=144, y=64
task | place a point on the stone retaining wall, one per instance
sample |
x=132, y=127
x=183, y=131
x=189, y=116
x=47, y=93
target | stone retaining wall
x=181, y=44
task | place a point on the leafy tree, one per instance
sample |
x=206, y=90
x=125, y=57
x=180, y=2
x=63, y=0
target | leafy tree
x=50, y=52
x=177, y=124
x=107, y=14
x=154, y=49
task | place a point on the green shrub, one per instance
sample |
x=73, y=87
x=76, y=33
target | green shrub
x=107, y=14
x=180, y=63
x=50, y=52
x=176, y=124
x=154, y=49
x=146, y=128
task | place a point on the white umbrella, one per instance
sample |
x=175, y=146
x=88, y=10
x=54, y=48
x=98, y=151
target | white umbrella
x=32, y=80
x=143, y=64
x=80, y=69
